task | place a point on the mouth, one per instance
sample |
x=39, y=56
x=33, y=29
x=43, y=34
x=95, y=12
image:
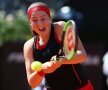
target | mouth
x=42, y=29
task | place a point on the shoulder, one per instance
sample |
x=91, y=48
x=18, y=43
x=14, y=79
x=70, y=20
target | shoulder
x=29, y=44
x=59, y=24
x=58, y=28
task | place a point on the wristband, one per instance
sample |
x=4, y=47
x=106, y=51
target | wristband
x=41, y=73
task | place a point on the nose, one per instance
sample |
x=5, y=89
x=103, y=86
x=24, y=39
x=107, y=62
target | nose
x=40, y=23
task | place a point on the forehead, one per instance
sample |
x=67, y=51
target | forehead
x=39, y=14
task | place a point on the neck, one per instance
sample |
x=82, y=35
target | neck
x=44, y=40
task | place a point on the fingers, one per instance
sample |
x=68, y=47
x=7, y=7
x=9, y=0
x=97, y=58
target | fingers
x=54, y=58
x=51, y=66
x=47, y=64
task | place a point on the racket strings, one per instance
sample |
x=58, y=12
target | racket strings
x=70, y=39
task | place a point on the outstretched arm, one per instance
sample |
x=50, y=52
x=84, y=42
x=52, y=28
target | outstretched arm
x=34, y=79
x=80, y=56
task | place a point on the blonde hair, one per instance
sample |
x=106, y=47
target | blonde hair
x=37, y=4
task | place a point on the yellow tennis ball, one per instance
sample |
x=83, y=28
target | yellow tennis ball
x=36, y=66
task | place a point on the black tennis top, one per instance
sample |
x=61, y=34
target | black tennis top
x=67, y=77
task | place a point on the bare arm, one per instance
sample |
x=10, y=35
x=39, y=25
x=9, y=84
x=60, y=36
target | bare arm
x=33, y=78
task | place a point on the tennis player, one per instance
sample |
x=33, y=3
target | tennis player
x=45, y=44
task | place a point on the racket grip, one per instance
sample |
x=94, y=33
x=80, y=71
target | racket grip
x=56, y=58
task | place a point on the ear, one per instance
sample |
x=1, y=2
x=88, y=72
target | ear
x=30, y=24
x=50, y=20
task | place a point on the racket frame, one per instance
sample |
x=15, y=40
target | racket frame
x=68, y=57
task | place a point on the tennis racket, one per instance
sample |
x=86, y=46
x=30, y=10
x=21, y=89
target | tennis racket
x=68, y=46
x=69, y=41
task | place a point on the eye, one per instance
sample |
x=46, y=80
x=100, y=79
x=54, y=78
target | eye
x=43, y=19
x=34, y=20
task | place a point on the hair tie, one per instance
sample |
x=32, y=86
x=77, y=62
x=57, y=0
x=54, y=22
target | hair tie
x=38, y=8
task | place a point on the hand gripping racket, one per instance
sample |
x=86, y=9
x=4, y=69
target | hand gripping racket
x=69, y=41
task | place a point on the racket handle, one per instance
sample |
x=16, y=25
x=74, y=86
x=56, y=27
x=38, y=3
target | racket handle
x=56, y=58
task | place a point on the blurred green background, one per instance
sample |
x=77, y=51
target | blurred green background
x=14, y=26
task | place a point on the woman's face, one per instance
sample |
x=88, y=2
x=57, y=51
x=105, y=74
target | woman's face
x=40, y=23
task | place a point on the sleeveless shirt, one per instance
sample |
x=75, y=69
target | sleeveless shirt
x=66, y=77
